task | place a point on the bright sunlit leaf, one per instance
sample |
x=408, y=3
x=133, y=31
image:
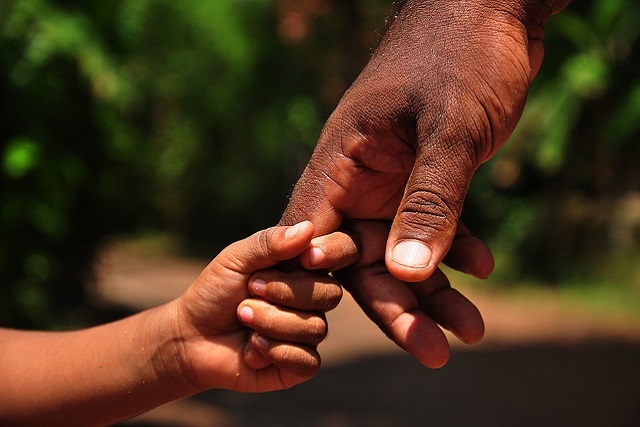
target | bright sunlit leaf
x=20, y=157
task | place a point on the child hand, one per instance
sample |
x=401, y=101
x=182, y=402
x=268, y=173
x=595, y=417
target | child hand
x=217, y=347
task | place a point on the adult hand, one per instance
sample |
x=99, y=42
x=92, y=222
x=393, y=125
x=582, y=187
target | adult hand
x=412, y=314
x=442, y=93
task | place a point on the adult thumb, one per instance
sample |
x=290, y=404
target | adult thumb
x=426, y=221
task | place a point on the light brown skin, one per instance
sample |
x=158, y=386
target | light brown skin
x=242, y=325
x=226, y=331
x=440, y=96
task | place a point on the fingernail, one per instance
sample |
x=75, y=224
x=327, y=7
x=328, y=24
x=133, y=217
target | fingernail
x=293, y=231
x=246, y=314
x=259, y=287
x=316, y=256
x=411, y=253
x=261, y=342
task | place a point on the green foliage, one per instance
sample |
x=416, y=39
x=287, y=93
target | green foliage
x=573, y=160
x=196, y=117
x=193, y=117
x=61, y=191
x=20, y=157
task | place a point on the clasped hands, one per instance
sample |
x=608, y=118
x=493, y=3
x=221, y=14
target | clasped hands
x=412, y=314
x=442, y=93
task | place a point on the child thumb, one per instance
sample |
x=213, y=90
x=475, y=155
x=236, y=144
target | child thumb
x=268, y=247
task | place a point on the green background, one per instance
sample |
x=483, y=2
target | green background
x=194, y=118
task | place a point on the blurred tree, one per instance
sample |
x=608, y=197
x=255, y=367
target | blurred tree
x=197, y=117
x=564, y=193
x=194, y=117
x=62, y=180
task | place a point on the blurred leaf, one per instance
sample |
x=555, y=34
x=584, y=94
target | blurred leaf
x=574, y=153
x=587, y=74
x=626, y=120
x=20, y=157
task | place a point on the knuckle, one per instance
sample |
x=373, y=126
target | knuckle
x=316, y=330
x=320, y=328
x=333, y=296
x=428, y=207
x=279, y=291
x=265, y=239
x=476, y=133
x=267, y=318
x=312, y=365
x=307, y=364
x=327, y=296
x=303, y=363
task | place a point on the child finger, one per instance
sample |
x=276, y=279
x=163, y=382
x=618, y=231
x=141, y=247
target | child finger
x=267, y=248
x=301, y=327
x=330, y=252
x=254, y=358
x=297, y=363
x=300, y=289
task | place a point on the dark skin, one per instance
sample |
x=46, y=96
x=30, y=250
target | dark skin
x=412, y=314
x=441, y=95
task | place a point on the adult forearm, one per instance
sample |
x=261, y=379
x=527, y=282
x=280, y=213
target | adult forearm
x=95, y=376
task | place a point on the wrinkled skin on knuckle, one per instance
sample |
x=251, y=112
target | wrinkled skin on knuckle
x=268, y=320
x=308, y=328
x=318, y=329
x=330, y=296
x=301, y=365
x=310, y=368
x=266, y=241
x=425, y=212
x=303, y=292
x=423, y=203
x=435, y=194
x=358, y=167
x=280, y=291
x=307, y=195
x=319, y=194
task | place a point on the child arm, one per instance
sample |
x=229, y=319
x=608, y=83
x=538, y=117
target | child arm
x=101, y=375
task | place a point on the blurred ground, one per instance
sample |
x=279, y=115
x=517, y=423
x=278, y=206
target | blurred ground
x=543, y=362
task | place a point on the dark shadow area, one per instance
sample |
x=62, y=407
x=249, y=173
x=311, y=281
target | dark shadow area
x=590, y=385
